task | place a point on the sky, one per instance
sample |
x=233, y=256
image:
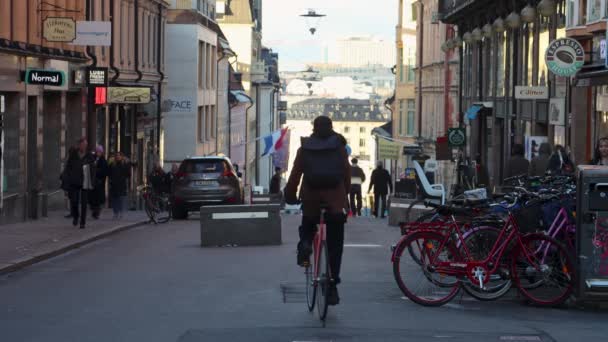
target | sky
x=285, y=32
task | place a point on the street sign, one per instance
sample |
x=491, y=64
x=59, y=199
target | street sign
x=457, y=137
x=97, y=76
x=93, y=33
x=133, y=95
x=59, y=29
x=565, y=57
x=531, y=93
x=45, y=77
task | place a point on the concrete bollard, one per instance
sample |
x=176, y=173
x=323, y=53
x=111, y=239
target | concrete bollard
x=241, y=225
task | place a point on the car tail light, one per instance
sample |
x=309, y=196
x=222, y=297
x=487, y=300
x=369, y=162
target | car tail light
x=228, y=174
x=231, y=200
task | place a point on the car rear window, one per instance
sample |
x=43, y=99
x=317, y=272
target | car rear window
x=203, y=166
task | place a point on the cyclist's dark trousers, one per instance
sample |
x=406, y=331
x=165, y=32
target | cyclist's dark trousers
x=378, y=198
x=335, y=239
x=355, y=194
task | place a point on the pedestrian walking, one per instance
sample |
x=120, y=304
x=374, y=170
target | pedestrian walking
x=79, y=178
x=518, y=164
x=382, y=185
x=120, y=172
x=275, y=182
x=539, y=164
x=356, y=182
x=600, y=157
x=97, y=197
x=559, y=162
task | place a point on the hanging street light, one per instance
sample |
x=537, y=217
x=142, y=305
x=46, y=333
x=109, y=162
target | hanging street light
x=499, y=25
x=312, y=20
x=513, y=20
x=547, y=8
x=528, y=14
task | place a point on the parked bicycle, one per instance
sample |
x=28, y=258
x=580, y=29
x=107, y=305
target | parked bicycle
x=156, y=204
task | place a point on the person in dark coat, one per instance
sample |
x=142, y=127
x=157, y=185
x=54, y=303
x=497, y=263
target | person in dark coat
x=382, y=185
x=323, y=138
x=539, y=164
x=275, y=182
x=518, y=164
x=79, y=178
x=356, y=181
x=559, y=162
x=97, y=197
x=120, y=172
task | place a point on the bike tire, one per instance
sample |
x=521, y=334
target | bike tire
x=427, y=217
x=164, y=215
x=429, y=240
x=538, y=255
x=480, y=241
x=311, y=288
x=323, y=282
x=150, y=209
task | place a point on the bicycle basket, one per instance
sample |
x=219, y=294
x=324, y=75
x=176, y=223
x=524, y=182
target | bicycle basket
x=530, y=218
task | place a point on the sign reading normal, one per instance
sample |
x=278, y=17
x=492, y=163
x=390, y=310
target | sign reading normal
x=45, y=77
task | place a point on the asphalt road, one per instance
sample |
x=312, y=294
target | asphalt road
x=155, y=283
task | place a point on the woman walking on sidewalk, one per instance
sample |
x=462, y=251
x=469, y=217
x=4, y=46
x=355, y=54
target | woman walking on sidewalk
x=120, y=172
x=79, y=175
x=97, y=197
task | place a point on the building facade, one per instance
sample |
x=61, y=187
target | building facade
x=503, y=49
x=354, y=52
x=436, y=86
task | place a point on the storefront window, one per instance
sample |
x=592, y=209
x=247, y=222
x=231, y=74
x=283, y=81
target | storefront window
x=601, y=120
x=543, y=41
x=488, y=67
x=500, y=75
x=594, y=10
x=530, y=58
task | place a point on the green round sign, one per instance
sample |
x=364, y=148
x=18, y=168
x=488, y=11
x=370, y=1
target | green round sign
x=565, y=57
x=457, y=137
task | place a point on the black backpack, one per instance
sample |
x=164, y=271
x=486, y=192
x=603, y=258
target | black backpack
x=323, y=162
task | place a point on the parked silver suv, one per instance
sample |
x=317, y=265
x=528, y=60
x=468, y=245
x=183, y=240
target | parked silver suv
x=205, y=180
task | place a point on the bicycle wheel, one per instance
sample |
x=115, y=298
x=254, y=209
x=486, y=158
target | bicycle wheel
x=425, y=218
x=164, y=209
x=409, y=214
x=543, y=270
x=479, y=242
x=149, y=207
x=419, y=282
x=311, y=288
x=323, y=283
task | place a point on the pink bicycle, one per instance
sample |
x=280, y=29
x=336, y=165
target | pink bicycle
x=318, y=275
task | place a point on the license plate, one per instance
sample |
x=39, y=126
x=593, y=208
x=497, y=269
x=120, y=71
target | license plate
x=205, y=183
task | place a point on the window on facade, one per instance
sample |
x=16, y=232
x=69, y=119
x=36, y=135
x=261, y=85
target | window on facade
x=213, y=121
x=594, y=10
x=361, y=129
x=346, y=129
x=209, y=64
x=361, y=142
x=411, y=112
x=201, y=64
x=500, y=65
x=401, y=124
x=201, y=124
x=401, y=65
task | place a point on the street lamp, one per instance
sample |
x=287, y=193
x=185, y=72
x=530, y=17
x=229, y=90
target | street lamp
x=513, y=20
x=312, y=20
x=547, y=8
x=499, y=25
x=467, y=37
x=476, y=34
x=528, y=14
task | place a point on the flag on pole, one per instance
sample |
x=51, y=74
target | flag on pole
x=280, y=157
x=274, y=141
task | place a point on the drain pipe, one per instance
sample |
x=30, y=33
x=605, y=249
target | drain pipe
x=159, y=64
x=140, y=75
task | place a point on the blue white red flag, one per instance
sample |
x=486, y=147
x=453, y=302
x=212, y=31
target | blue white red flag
x=274, y=141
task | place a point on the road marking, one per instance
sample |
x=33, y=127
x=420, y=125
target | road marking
x=520, y=338
x=363, y=245
x=229, y=216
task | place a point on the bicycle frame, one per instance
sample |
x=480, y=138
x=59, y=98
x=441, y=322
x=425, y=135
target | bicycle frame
x=319, y=238
x=467, y=267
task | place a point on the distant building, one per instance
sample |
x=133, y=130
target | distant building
x=362, y=51
x=378, y=76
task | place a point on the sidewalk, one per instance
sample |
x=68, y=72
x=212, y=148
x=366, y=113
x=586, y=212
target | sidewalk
x=23, y=244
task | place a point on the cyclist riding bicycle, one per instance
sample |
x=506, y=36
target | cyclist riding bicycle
x=322, y=160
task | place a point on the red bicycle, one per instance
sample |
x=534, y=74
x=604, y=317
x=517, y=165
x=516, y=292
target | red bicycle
x=318, y=275
x=438, y=262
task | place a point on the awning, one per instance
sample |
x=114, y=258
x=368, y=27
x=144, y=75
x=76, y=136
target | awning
x=239, y=96
x=476, y=108
x=591, y=75
x=385, y=130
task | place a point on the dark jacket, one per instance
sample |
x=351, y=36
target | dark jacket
x=73, y=175
x=312, y=198
x=120, y=172
x=275, y=184
x=98, y=195
x=381, y=182
x=518, y=165
x=357, y=172
x=539, y=164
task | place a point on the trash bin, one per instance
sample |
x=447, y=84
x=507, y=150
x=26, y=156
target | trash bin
x=592, y=233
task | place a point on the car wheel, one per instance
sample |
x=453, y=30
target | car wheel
x=179, y=213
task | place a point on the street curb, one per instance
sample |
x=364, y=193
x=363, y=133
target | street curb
x=29, y=261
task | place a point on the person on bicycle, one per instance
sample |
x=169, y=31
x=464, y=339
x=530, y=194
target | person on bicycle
x=322, y=161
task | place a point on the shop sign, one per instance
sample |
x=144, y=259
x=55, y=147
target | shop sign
x=565, y=57
x=45, y=77
x=457, y=137
x=182, y=105
x=531, y=93
x=56, y=29
x=97, y=77
x=78, y=77
x=132, y=95
x=388, y=149
x=93, y=33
